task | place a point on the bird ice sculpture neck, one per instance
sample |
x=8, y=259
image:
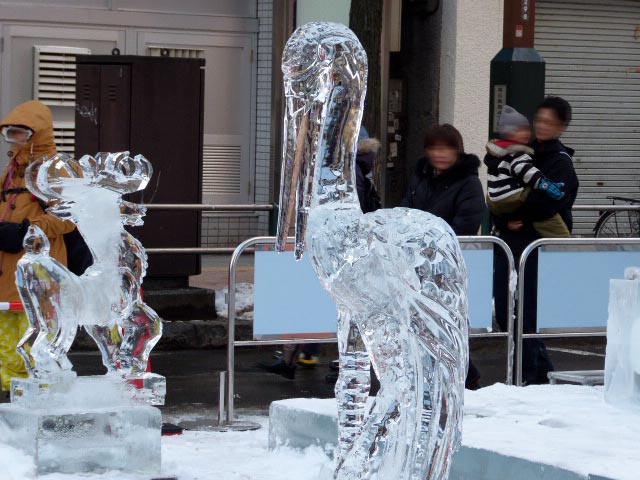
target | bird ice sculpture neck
x=106, y=299
x=397, y=276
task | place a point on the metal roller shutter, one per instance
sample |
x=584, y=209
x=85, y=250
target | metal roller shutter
x=592, y=50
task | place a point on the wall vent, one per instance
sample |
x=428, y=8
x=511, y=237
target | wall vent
x=54, y=74
x=65, y=134
x=155, y=51
x=221, y=169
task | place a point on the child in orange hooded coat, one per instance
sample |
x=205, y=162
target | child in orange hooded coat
x=29, y=130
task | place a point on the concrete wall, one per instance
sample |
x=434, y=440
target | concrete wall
x=471, y=37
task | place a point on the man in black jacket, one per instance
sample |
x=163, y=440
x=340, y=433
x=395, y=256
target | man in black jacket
x=554, y=160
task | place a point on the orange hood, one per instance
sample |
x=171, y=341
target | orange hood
x=36, y=116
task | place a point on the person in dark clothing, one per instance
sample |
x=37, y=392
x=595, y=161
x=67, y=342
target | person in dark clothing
x=555, y=162
x=368, y=149
x=446, y=184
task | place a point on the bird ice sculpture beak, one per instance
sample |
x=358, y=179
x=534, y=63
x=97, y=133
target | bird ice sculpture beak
x=324, y=69
x=294, y=186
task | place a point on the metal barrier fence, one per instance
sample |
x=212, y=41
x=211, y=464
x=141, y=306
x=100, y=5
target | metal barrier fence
x=231, y=342
x=586, y=242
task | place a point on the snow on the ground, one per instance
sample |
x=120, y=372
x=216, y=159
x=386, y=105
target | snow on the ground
x=563, y=425
x=568, y=426
x=244, y=301
x=203, y=456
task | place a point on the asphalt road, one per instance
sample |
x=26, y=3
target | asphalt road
x=192, y=375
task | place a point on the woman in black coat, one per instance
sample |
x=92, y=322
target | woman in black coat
x=446, y=184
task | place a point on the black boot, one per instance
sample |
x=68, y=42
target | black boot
x=280, y=368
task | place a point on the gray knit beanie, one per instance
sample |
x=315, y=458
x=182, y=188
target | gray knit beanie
x=510, y=121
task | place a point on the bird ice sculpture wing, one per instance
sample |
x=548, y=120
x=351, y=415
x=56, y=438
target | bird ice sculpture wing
x=397, y=276
x=106, y=299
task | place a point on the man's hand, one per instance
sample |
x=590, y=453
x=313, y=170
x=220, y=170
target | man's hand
x=515, y=225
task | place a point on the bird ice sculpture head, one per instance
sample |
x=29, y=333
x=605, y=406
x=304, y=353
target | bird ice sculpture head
x=325, y=76
x=53, y=179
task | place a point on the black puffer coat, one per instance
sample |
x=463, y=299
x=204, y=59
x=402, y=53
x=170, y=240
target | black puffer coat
x=456, y=195
x=555, y=162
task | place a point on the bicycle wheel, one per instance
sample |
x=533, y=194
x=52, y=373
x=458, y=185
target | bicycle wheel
x=620, y=225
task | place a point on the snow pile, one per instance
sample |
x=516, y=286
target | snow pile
x=203, y=456
x=566, y=426
x=244, y=301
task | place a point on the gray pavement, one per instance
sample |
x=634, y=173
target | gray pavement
x=192, y=375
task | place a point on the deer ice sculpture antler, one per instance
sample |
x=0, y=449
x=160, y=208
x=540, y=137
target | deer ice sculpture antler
x=397, y=276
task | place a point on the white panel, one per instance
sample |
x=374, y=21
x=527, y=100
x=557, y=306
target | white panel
x=17, y=61
x=592, y=52
x=232, y=8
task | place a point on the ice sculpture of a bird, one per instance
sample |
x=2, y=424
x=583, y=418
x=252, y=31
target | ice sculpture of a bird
x=397, y=276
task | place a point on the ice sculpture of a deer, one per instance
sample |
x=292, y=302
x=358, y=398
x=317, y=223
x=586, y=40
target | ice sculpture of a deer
x=107, y=298
x=397, y=276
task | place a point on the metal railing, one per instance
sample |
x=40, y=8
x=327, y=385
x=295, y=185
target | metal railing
x=520, y=335
x=606, y=208
x=231, y=325
x=210, y=208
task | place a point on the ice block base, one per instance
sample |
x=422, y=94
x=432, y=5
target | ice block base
x=77, y=440
x=89, y=391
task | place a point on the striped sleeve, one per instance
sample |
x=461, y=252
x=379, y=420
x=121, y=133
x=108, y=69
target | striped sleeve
x=522, y=168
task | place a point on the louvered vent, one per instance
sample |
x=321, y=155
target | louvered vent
x=65, y=133
x=54, y=74
x=221, y=173
x=176, y=52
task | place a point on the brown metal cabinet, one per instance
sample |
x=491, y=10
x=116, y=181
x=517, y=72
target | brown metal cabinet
x=152, y=106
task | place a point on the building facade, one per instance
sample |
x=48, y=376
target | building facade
x=39, y=40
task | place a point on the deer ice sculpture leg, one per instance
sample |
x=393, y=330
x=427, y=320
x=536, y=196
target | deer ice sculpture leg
x=43, y=285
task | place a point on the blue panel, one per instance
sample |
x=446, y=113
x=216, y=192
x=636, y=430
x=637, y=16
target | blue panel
x=573, y=287
x=289, y=300
x=480, y=273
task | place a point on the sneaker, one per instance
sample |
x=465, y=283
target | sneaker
x=279, y=368
x=309, y=361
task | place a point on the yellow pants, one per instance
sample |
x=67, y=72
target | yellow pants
x=13, y=326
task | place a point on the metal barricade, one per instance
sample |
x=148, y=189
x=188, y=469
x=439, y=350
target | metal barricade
x=586, y=242
x=231, y=342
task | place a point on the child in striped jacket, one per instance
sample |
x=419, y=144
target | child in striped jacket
x=512, y=176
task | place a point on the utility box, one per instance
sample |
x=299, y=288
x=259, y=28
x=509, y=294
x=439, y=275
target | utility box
x=151, y=106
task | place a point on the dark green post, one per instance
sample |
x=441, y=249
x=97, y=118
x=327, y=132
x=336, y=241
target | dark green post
x=517, y=71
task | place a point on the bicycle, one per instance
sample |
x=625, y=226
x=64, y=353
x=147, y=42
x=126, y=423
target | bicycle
x=619, y=223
